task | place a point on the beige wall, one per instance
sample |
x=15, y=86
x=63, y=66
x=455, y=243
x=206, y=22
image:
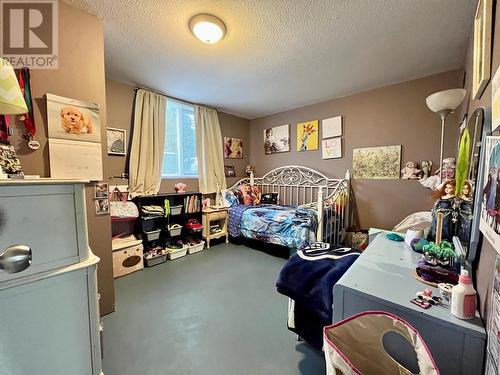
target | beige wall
x=393, y=115
x=80, y=76
x=119, y=100
x=487, y=254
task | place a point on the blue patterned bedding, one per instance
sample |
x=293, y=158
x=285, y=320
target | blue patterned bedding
x=281, y=225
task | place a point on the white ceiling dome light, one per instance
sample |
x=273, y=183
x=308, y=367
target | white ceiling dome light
x=207, y=28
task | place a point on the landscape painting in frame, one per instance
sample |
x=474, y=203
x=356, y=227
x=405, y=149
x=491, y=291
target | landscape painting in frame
x=233, y=148
x=377, y=162
x=277, y=139
x=490, y=222
x=307, y=136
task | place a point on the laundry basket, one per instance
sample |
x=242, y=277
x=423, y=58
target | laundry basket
x=354, y=346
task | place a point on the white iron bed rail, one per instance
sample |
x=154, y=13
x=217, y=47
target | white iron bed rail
x=307, y=187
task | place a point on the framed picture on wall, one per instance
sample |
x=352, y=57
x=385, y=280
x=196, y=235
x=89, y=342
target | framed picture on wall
x=233, y=148
x=230, y=171
x=378, y=163
x=488, y=223
x=101, y=190
x=307, y=136
x=116, y=141
x=277, y=139
x=102, y=206
x=332, y=148
x=481, y=68
x=332, y=127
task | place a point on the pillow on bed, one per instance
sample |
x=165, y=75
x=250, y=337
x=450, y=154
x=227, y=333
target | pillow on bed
x=269, y=198
x=232, y=198
x=250, y=194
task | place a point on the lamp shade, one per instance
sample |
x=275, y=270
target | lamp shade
x=11, y=98
x=445, y=101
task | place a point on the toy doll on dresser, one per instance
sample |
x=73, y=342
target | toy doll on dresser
x=456, y=210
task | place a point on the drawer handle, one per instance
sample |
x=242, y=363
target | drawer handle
x=15, y=258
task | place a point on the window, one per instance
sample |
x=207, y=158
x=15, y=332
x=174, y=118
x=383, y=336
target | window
x=179, y=155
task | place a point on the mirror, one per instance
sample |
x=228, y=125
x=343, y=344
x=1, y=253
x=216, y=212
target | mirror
x=478, y=129
x=475, y=126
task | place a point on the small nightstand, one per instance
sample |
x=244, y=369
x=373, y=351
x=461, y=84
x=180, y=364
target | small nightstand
x=211, y=215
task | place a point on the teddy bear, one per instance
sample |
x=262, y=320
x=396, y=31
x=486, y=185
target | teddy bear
x=74, y=121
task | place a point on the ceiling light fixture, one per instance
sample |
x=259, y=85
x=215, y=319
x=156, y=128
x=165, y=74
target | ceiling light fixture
x=207, y=28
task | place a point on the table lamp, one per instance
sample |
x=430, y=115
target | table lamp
x=444, y=102
x=11, y=97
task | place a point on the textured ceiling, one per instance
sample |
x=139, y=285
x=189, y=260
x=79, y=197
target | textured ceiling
x=280, y=54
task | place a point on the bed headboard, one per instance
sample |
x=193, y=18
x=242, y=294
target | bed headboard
x=298, y=185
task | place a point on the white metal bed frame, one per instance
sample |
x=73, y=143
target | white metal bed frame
x=304, y=186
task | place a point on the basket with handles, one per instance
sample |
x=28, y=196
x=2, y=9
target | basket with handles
x=354, y=346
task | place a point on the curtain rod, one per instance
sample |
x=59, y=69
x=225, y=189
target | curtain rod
x=173, y=97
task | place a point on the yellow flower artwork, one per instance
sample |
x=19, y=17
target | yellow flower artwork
x=307, y=135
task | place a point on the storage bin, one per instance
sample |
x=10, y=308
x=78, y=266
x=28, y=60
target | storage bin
x=148, y=225
x=127, y=260
x=153, y=261
x=177, y=253
x=176, y=210
x=196, y=248
x=174, y=230
x=152, y=235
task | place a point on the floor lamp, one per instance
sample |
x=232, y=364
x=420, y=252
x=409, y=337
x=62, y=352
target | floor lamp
x=443, y=103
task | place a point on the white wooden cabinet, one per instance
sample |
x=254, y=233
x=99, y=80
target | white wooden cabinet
x=49, y=311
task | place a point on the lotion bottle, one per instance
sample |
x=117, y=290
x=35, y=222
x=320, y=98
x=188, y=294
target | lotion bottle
x=463, y=298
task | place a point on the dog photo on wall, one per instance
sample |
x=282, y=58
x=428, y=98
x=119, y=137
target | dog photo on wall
x=73, y=119
x=74, y=132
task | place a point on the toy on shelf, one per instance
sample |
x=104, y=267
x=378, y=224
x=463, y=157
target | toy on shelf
x=447, y=170
x=426, y=168
x=411, y=171
x=180, y=187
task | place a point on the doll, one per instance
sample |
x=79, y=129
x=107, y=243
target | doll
x=448, y=169
x=426, y=168
x=411, y=171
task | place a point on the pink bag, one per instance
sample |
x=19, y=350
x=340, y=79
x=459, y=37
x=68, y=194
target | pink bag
x=354, y=346
x=120, y=208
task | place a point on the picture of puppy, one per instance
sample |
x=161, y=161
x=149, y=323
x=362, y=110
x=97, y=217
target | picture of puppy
x=74, y=121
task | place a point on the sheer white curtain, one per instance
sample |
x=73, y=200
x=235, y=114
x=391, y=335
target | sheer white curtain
x=148, y=139
x=209, y=150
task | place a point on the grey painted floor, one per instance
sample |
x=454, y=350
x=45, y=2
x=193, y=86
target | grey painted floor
x=215, y=312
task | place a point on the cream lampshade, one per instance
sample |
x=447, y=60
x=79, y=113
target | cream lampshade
x=11, y=98
x=443, y=102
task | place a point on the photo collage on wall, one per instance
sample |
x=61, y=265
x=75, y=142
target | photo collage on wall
x=277, y=138
x=101, y=198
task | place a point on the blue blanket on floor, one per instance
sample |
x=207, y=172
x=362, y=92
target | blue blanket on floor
x=308, y=278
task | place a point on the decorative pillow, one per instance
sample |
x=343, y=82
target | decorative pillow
x=269, y=198
x=250, y=194
x=229, y=198
x=239, y=197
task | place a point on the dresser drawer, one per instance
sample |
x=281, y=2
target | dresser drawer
x=50, y=327
x=50, y=219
